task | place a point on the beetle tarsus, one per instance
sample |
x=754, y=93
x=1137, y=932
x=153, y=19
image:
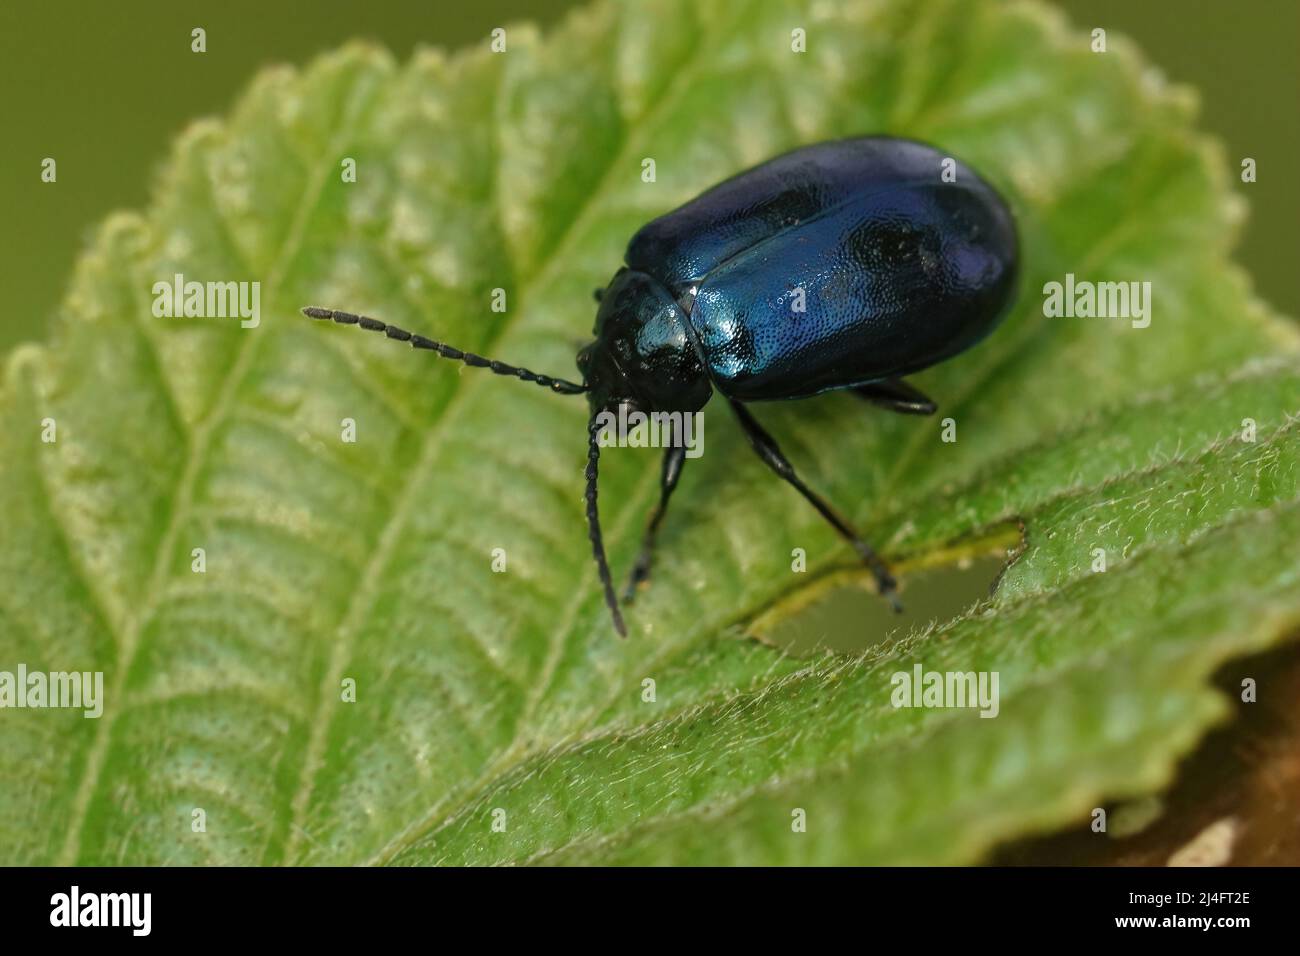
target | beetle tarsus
x=639, y=576
x=896, y=395
x=889, y=591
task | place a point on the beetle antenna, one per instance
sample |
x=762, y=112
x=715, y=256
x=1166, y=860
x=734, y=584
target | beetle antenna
x=593, y=526
x=558, y=385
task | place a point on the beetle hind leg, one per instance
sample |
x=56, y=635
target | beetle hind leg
x=768, y=450
x=674, y=456
x=897, y=396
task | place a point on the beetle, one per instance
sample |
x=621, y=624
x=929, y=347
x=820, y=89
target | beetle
x=897, y=266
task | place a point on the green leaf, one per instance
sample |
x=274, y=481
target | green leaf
x=478, y=691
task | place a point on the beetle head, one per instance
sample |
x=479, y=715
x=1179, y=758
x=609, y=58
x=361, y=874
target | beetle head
x=642, y=354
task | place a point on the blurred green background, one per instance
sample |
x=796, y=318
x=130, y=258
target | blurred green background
x=104, y=88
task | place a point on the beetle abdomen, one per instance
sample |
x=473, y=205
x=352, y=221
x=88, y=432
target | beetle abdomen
x=875, y=289
x=835, y=265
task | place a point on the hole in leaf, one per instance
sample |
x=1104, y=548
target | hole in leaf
x=843, y=614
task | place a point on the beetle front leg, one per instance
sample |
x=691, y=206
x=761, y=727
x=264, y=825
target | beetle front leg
x=770, y=452
x=674, y=457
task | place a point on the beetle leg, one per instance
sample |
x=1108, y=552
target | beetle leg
x=770, y=452
x=598, y=294
x=593, y=525
x=674, y=457
x=897, y=396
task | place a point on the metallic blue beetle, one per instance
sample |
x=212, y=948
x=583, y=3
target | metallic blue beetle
x=844, y=265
